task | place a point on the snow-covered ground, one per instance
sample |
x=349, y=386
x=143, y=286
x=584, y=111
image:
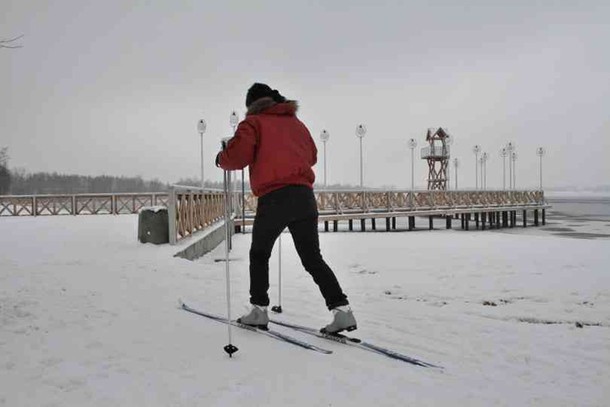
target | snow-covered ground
x=89, y=317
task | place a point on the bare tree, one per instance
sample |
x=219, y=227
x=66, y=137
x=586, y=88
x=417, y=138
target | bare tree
x=11, y=43
x=5, y=174
x=4, y=156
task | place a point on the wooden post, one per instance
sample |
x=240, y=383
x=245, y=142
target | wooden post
x=448, y=220
x=430, y=223
x=543, y=217
x=394, y=223
x=351, y=224
x=535, y=217
x=387, y=224
x=490, y=219
x=467, y=221
x=326, y=226
x=483, y=220
x=373, y=223
x=525, y=218
x=476, y=219
x=335, y=225
x=411, y=222
x=172, y=204
x=362, y=225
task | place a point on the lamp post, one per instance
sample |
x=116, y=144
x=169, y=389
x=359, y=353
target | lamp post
x=513, y=158
x=234, y=120
x=455, y=165
x=201, y=126
x=503, y=154
x=324, y=136
x=510, y=149
x=360, y=132
x=484, y=158
x=476, y=150
x=412, y=144
x=540, y=151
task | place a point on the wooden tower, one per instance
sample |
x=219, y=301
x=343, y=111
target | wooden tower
x=437, y=155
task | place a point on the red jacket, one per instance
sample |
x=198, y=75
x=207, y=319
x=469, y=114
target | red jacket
x=275, y=144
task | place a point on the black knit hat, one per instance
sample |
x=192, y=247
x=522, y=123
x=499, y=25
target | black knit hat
x=260, y=90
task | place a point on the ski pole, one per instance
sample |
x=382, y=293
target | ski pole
x=278, y=308
x=230, y=348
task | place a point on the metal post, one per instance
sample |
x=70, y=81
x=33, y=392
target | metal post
x=503, y=172
x=455, y=163
x=503, y=154
x=514, y=159
x=412, y=169
x=360, y=132
x=412, y=145
x=541, y=172
x=476, y=170
x=361, y=175
x=510, y=150
x=476, y=149
x=325, y=164
x=540, y=152
x=324, y=136
x=202, y=178
x=485, y=156
x=201, y=127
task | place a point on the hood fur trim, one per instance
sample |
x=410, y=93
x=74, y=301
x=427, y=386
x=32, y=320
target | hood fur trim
x=263, y=104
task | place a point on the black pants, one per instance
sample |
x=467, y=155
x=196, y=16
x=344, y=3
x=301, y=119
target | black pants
x=294, y=207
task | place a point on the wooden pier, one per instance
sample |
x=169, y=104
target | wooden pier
x=193, y=209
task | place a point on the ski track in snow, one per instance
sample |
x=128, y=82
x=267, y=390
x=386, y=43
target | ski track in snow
x=88, y=316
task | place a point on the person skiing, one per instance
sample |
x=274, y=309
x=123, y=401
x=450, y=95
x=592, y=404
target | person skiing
x=280, y=153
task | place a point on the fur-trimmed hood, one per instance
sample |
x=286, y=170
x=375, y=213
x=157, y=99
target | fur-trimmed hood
x=270, y=106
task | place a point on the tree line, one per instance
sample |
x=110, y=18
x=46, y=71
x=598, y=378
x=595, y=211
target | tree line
x=20, y=182
x=40, y=183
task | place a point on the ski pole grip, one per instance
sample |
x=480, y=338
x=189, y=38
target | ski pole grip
x=224, y=143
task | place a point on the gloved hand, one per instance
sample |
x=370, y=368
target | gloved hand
x=223, y=146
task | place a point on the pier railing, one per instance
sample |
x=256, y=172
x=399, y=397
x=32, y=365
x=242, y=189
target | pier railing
x=79, y=204
x=347, y=204
x=193, y=209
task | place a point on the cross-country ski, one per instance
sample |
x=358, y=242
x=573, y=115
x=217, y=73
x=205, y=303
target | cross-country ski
x=355, y=342
x=268, y=332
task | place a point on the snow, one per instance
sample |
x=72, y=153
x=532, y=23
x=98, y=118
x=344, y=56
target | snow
x=89, y=317
x=154, y=209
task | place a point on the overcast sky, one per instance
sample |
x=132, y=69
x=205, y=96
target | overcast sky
x=117, y=87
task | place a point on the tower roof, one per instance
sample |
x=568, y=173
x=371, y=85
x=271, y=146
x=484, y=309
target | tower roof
x=438, y=134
